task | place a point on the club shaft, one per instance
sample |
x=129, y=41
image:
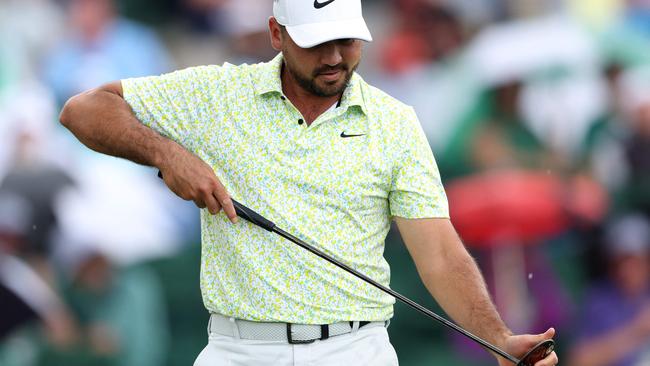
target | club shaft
x=395, y=294
x=264, y=223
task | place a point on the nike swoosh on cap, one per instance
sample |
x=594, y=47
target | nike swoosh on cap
x=318, y=5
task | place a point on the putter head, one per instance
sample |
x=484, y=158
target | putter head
x=539, y=352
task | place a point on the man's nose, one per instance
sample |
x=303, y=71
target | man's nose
x=331, y=54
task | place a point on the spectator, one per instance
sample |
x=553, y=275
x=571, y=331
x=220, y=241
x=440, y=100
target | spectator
x=637, y=16
x=614, y=327
x=205, y=16
x=493, y=135
x=637, y=150
x=23, y=43
x=502, y=139
x=246, y=24
x=100, y=47
x=26, y=297
x=120, y=311
x=30, y=159
x=618, y=149
x=428, y=32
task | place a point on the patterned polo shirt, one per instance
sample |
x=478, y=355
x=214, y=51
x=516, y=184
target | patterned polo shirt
x=335, y=184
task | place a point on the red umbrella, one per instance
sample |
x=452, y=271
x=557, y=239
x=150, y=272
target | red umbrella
x=519, y=206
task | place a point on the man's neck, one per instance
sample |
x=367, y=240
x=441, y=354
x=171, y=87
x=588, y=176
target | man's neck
x=309, y=105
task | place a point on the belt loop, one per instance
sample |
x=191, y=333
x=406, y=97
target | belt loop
x=324, y=332
x=355, y=327
x=289, y=334
x=210, y=325
x=235, y=327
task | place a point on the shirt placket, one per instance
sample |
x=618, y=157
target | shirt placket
x=295, y=126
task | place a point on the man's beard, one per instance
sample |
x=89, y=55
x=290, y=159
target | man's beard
x=328, y=90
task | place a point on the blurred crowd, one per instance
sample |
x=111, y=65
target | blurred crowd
x=538, y=113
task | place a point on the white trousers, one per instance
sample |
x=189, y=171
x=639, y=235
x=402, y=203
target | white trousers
x=364, y=347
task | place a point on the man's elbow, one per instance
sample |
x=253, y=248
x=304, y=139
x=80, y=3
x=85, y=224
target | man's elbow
x=66, y=118
x=82, y=104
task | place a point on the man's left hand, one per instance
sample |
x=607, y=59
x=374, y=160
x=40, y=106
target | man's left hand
x=518, y=345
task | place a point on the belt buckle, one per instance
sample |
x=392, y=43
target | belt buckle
x=324, y=334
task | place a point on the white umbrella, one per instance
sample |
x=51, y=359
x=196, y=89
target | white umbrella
x=118, y=209
x=515, y=50
x=560, y=64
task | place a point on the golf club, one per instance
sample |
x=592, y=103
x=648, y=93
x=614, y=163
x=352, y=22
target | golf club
x=538, y=352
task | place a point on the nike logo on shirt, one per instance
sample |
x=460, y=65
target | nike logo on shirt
x=346, y=136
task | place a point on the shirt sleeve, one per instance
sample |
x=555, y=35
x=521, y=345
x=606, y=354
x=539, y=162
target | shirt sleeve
x=416, y=188
x=175, y=104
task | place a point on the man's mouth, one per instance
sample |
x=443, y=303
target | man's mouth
x=331, y=75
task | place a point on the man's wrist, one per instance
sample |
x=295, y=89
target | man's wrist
x=164, y=152
x=502, y=338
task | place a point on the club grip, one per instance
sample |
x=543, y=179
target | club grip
x=538, y=353
x=252, y=216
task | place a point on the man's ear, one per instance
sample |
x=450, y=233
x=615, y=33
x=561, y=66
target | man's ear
x=275, y=32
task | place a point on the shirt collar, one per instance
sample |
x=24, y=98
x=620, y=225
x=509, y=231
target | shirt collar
x=268, y=81
x=268, y=77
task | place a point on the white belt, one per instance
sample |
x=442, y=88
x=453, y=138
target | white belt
x=283, y=332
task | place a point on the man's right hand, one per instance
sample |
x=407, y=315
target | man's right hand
x=192, y=179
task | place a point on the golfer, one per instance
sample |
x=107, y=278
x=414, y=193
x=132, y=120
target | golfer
x=304, y=141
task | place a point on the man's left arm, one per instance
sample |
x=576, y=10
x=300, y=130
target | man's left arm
x=452, y=277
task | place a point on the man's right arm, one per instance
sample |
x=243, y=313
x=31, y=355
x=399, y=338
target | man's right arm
x=103, y=121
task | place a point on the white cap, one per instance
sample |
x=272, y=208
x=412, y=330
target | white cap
x=312, y=22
